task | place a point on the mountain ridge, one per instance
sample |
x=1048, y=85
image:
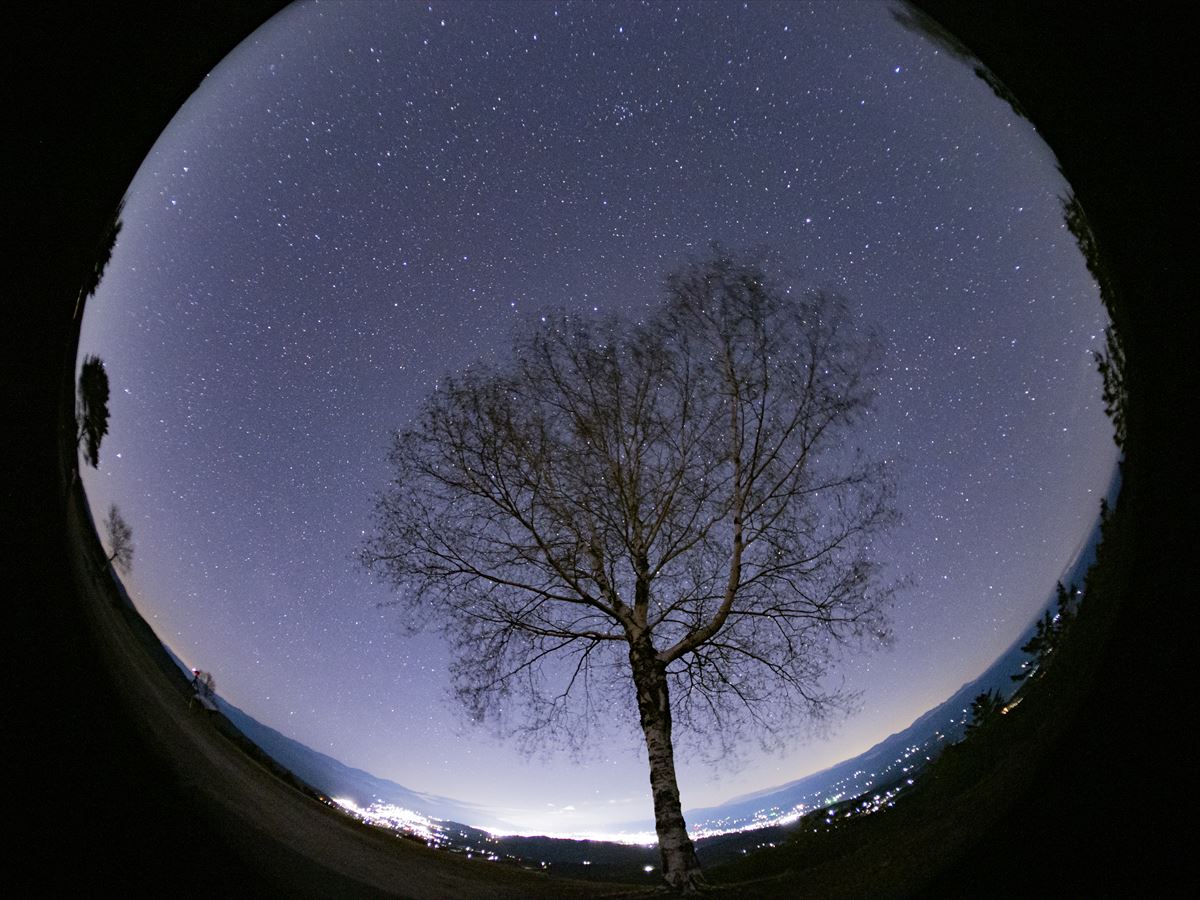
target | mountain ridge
x=893, y=759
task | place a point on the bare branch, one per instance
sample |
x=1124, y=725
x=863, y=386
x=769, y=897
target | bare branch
x=680, y=488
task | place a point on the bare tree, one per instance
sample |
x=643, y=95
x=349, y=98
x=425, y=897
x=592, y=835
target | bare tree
x=669, y=507
x=120, y=540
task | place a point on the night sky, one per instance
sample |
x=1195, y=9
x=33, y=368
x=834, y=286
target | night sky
x=365, y=197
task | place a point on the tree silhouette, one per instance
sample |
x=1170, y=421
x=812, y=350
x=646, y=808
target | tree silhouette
x=1110, y=362
x=120, y=540
x=984, y=708
x=104, y=254
x=1065, y=600
x=1049, y=631
x=666, y=513
x=1039, y=646
x=91, y=413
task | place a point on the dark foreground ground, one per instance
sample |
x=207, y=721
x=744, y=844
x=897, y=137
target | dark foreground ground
x=112, y=788
x=271, y=834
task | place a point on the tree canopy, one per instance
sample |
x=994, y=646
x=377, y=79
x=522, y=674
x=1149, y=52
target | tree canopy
x=1050, y=629
x=92, y=410
x=667, y=511
x=985, y=708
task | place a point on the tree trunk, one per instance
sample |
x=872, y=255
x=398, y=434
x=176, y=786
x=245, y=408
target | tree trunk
x=680, y=866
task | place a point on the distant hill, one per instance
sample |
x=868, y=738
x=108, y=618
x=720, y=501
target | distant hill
x=894, y=759
x=336, y=779
x=339, y=780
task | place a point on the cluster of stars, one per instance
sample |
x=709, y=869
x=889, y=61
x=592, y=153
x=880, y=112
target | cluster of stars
x=364, y=197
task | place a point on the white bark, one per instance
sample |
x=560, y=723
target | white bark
x=680, y=867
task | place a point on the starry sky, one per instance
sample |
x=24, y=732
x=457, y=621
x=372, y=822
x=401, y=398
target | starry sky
x=364, y=197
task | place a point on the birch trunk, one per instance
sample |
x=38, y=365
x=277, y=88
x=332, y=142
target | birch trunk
x=680, y=867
